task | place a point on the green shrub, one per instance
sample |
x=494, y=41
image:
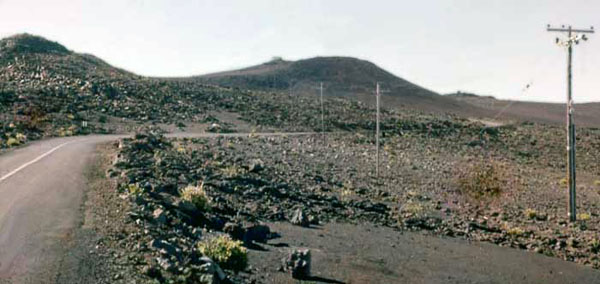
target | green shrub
x=226, y=252
x=197, y=196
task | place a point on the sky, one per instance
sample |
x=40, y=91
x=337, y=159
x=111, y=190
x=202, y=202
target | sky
x=481, y=46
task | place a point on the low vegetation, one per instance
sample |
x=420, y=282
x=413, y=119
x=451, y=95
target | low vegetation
x=482, y=180
x=228, y=253
x=197, y=196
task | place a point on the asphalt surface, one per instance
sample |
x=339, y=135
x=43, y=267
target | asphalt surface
x=42, y=188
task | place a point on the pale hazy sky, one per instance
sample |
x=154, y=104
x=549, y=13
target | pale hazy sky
x=487, y=47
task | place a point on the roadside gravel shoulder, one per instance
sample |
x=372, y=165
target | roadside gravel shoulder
x=100, y=249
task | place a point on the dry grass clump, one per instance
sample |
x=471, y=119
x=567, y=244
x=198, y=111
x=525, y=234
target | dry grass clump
x=583, y=216
x=226, y=252
x=530, y=213
x=21, y=137
x=483, y=179
x=232, y=171
x=197, y=196
x=516, y=231
x=12, y=142
x=134, y=189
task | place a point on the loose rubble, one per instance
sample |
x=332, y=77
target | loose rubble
x=300, y=180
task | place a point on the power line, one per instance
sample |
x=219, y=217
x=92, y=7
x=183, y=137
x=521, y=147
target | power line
x=573, y=37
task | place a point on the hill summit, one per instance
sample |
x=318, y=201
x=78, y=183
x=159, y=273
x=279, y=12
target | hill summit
x=26, y=43
x=342, y=77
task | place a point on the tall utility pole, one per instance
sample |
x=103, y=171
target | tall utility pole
x=573, y=37
x=322, y=111
x=377, y=134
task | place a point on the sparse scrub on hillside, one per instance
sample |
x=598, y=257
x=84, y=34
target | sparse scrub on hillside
x=482, y=180
x=531, y=214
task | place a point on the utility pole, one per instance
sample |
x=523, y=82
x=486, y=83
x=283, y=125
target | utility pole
x=573, y=37
x=377, y=134
x=322, y=113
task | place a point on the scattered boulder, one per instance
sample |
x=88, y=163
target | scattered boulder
x=159, y=216
x=299, y=218
x=256, y=165
x=257, y=233
x=152, y=271
x=215, y=127
x=165, y=248
x=235, y=230
x=212, y=268
x=298, y=263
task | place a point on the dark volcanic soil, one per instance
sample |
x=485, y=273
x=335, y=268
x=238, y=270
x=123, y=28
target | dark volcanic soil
x=501, y=185
x=345, y=253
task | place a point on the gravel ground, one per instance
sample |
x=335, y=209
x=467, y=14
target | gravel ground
x=499, y=185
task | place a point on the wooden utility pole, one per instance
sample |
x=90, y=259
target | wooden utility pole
x=573, y=37
x=322, y=113
x=377, y=134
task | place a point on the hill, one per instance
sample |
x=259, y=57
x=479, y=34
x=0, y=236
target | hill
x=48, y=90
x=585, y=115
x=342, y=77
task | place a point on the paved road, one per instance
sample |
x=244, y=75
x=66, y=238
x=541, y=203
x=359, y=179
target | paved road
x=41, y=193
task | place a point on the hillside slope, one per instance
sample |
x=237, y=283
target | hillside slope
x=342, y=77
x=48, y=90
x=586, y=114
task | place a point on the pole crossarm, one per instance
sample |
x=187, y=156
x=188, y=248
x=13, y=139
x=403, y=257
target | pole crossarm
x=563, y=29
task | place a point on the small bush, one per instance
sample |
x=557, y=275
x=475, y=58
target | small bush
x=563, y=181
x=583, y=216
x=232, y=171
x=197, y=196
x=597, y=182
x=482, y=180
x=21, y=137
x=134, y=189
x=516, y=231
x=226, y=252
x=530, y=213
x=412, y=208
x=12, y=142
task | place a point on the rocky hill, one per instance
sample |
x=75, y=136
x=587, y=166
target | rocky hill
x=342, y=77
x=47, y=90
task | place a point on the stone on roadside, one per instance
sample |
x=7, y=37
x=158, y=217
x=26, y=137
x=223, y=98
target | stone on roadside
x=159, y=216
x=257, y=233
x=212, y=268
x=298, y=263
x=256, y=165
x=299, y=218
